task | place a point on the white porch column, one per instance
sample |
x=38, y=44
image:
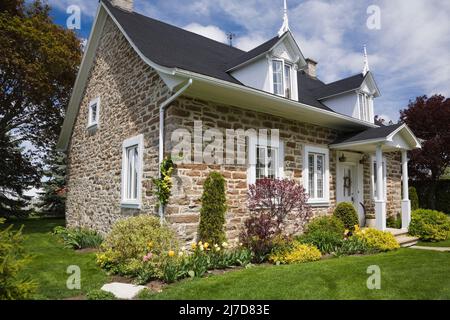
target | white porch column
x=406, y=203
x=380, y=202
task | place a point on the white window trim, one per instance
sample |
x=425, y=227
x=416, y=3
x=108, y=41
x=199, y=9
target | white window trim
x=326, y=195
x=134, y=141
x=373, y=160
x=251, y=170
x=282, y=77
x=92, y=124
x=367, y=99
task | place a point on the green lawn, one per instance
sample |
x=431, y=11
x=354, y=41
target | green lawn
x=405, y=274
x=445, y=243
x=51, y=259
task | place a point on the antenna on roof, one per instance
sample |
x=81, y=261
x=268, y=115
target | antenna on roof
x=230, y=37
x=285, y=26
x=366, y=62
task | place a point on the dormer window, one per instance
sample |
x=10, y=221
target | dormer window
x=282, y=78
x=364, y=102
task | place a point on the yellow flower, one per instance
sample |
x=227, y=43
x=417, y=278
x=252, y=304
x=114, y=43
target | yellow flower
x=346, y=232
x=200, y=243
x=194, y=246
x=217, y=249
x=171, y=253
x=206, y=245
x=225, y=245
x=201, y=248
x=150, y=245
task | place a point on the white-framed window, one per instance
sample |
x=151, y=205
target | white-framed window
x=132, y=163
x=287, y=81
x=265, y=160
x=373, y=173
x=364, y=103
x=94, y=113
x=277, y=71
x=316, y=178
x=282, y=78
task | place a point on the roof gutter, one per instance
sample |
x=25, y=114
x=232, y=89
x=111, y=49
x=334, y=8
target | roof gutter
x=226, y=84
x=162, y=110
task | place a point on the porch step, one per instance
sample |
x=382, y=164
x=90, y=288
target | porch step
x=402, y=237
x=406, y=241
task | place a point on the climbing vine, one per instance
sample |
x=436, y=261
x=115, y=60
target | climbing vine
x=164, y=183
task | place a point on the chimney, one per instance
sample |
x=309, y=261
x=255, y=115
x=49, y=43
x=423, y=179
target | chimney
x=311, y=67
x=126, y=5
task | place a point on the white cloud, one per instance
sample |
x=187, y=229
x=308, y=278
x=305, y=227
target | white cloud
x=210, y=31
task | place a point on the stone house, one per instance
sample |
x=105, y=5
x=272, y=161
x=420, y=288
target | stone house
x=145, y=88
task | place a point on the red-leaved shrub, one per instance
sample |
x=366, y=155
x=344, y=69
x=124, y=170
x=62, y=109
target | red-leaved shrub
x=271, y=202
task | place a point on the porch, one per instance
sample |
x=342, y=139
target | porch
x=374, y=143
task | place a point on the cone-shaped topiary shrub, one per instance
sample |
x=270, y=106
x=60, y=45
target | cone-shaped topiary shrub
x=414, y=198
x=346, y=212
x=212, y=213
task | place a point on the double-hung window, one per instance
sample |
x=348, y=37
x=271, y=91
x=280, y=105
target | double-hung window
x=132, y=161
x=265, y=160
x=282, y=78
x=277, y=69
x=316, y=174
x=364, y=106
x=94, y=113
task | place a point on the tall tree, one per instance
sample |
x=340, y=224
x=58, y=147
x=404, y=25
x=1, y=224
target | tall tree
x=53, y=198
x=38, y=66
x=429, y=118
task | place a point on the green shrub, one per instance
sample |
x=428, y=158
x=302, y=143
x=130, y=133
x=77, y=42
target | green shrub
x=429, y=225
x=296, y=252
x=346, y=212
x=327, y=223
x=100, y=295
x=212, y=213
x=326, y=233
x=325, y=241
x=394, y=222
x=130, y=240
x=12, y=260
x=78, y=238
x=351, y=246
x=414, y=198
x=376, y=239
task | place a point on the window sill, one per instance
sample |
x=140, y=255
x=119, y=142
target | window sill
x=92, y=126
x=319, y=204
x=130, y=205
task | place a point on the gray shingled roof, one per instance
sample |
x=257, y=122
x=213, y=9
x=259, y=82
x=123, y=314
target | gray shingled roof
x=259, y=50
x=369, y=134
x=344, y=85
x=173, y=47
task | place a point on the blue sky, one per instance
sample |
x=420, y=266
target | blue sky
x=409, y=54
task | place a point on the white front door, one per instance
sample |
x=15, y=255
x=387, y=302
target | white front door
x=349, y=184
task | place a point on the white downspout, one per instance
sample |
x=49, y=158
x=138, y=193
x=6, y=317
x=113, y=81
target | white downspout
x=162, y=110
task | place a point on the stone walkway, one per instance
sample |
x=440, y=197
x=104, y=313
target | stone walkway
x=123, y=291
x=440, y=249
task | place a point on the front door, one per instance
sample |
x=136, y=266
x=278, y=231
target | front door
x=349, y=185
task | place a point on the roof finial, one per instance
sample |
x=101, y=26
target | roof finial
x=285, y=26
x=366, y=62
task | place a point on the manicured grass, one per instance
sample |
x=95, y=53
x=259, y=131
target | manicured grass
x=405, y=274
x=445, y=243
x=50, y=261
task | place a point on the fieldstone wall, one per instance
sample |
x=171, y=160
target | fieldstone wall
x=130, y=92
x=184, y=207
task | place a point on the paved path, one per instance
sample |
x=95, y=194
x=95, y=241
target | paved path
x=123, y=290
x=440, y=249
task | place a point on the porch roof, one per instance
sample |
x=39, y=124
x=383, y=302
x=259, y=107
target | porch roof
x=391, y=138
